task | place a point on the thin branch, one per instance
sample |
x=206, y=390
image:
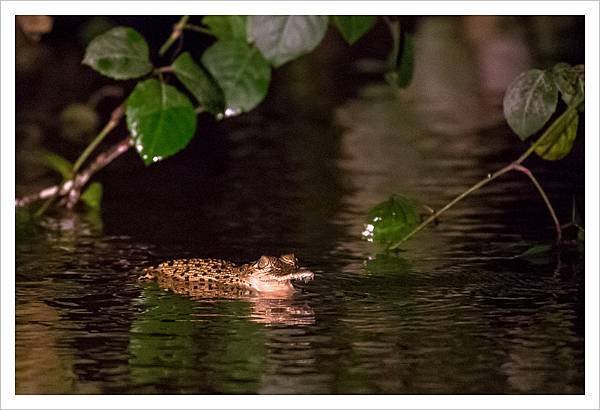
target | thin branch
x=198, y=29
x=175, y=34
x=75, y=184
x=102, y=160
x=450, y=204
x=115, y=118
x=513, y=166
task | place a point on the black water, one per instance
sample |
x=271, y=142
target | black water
x=454, y=312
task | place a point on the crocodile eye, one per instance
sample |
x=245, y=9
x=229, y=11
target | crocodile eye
x=290, y=259
x=263, y=262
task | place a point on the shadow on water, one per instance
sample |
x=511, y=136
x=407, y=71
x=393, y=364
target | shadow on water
x=454, y=312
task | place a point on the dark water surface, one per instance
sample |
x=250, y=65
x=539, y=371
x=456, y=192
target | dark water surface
x=455, y=312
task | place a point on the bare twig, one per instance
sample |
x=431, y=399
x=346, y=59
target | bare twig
x=71, y=189
x=102, y=160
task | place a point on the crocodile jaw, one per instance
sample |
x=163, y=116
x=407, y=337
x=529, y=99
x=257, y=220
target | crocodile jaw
x=271, y=286
x=280, y=284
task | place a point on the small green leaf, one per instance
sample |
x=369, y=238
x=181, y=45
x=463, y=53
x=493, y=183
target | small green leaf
x=226, y=27
x=558, y=141
x=241, y=71
x=92, y=196
x=391, y=220
x=120, y=53
x=352, y=28
x=538, y=254
x=529, y=102
x=570, y=82
x=162, y=121
x=199, y=83
x=283, y=38
x=58, y=163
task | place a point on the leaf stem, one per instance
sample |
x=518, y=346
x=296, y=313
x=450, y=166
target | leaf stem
x=450, y=204
x=526, y=171
x=513, y=166
x=175, y=34
x=115, y=117
x=165, y=69
x=199, y=29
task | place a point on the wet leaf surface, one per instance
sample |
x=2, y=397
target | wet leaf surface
x=161, y=120
x=241, y=71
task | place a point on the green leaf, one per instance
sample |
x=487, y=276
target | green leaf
x=391, y=220
x=200, y=83
x=241, y=71
x=161, y=120
x=283, y=38
x=58, y=163
x=120, y=53
x=92, y=196
x=353, y=28
x=538, y=254
x=529, y=102
x=570, y=82
x=558, y=141
x=226, y=27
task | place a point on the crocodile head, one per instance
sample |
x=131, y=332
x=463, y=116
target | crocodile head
x=274, y=274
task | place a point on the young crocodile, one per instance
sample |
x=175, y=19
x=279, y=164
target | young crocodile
x=216, y=277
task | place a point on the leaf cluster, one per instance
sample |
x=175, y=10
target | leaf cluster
x=231, y=77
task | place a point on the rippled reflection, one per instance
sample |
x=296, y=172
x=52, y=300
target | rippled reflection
x=454, y=312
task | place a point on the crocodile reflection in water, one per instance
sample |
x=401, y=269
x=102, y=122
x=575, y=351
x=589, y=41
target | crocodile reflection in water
x=265, y=284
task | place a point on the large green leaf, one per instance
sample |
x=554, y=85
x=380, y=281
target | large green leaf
x=241, y=71
x=529, y=102
x=570, y=81
x=353, y=28
x=161, y=120
x=120, y=53
x=558, y=141
x=391, y=220
x=283, y=38
x=226, y=27
x=199, y=83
